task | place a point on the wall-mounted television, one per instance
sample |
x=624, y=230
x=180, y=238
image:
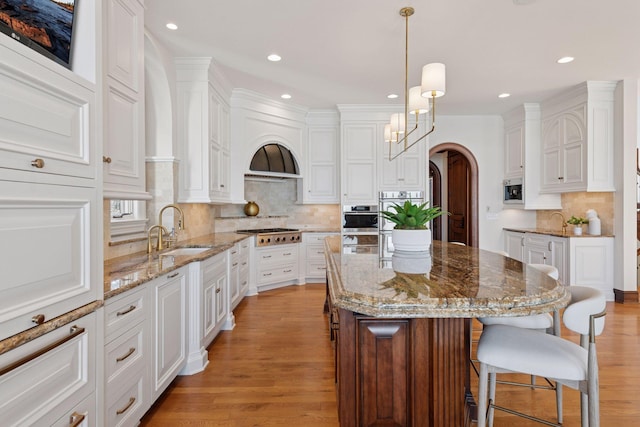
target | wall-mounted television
x=46, y=26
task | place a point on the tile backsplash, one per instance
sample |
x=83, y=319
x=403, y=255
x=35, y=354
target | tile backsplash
x=577, y=204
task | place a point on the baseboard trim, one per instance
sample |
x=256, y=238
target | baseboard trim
x=625, y=297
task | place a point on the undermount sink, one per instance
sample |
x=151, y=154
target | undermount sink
x=185, y=251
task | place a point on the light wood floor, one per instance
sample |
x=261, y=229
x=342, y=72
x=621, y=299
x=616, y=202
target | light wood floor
x=276, y=369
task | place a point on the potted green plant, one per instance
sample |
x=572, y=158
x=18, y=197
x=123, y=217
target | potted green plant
x=577, y=222
x=411, y=231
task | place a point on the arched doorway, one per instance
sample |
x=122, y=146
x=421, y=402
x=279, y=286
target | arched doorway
x=461, y=192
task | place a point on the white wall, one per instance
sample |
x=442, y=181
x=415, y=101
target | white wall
x=484, y=137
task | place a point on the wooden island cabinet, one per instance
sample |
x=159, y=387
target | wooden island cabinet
x=402, y=341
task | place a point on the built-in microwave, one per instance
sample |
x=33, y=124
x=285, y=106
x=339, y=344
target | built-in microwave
x=513, y=192
x=360, y=219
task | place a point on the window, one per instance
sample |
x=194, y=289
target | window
x=128, y=219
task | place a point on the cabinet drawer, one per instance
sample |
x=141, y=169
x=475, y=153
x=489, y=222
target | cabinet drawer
x=123, y=311
x=315, y=252
x=125, y=353
x=125, y=405
x=44, y=388
x=84, y=414
x=281, y=255
x=279, y=273
x=316, y=238
x=536, y=240
x=50, y=120
x=316, y=269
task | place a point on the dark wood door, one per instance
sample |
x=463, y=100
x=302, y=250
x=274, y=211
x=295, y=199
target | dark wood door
x=458, y=194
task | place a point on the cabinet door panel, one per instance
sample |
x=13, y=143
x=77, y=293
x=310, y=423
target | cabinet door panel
x=360, y=182
x=124, y=42
x=170, y=330
x=48, y=120
x=51, y=227
x=382, y=367
x=122, y=133
x=574, y=157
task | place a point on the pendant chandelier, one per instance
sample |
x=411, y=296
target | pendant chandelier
x=416, y=100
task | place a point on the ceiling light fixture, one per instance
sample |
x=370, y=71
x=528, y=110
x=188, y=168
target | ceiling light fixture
x=392, y=96
x=274, y=57
x=416, y=99
x=565, y=60
x=285, y=96
x=504, y=95
x=172, y=26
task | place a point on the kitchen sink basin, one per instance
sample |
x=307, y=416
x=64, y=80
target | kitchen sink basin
x=186, y=251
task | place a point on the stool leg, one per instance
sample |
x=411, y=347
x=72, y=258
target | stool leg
x=559, y=401
x=492, y=397
x=483, y=381
x=584, y=410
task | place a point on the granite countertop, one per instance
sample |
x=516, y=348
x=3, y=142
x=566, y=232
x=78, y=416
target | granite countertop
x=557, y=233
x=462, y=282
x=124, y=273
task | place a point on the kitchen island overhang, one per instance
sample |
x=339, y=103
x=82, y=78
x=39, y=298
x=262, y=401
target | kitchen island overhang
x=403, y=340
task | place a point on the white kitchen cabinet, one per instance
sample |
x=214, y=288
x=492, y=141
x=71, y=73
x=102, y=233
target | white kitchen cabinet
x=238, y=272
x=359, y=163
x=549, y=250
x=522, y=157
x=276, y=266
x=56, y=385
x=514, y=244
x=321, y=178
x=314, y=261
x=127, y=357
x=203, y=133
x=169, y=325
x=406, y=172
x=591, y=263
x=124, y=143
x=55, y=228
x=577, y=139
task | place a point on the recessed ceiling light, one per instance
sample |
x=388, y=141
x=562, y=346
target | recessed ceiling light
x=504, y=95
x=172, y=26
x=274, y=57
x=285, y=96
x=565, y=60
x=392, y=96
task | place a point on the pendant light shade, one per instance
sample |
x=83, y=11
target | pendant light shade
x=433, y=80
x=387, y=133
x=417, y=103
x=397, y=123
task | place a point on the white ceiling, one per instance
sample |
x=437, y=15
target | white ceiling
x=352, y=51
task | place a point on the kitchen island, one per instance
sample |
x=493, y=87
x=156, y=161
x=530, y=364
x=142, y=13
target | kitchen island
x=403, y=340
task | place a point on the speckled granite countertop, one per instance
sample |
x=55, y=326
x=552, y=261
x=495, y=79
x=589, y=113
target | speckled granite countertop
x=124, y=273
x=557, y=233
x=37, y=331
x=462, y=282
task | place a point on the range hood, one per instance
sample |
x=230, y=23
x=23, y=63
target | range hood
x=273, y=161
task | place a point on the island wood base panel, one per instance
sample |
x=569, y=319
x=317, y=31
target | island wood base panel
x=625, y=297
x=403, y=372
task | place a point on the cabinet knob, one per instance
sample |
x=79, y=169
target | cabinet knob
x=106, y=159
x=38, y=319
x=561, y=177
x=38, y=163
x=221, y=185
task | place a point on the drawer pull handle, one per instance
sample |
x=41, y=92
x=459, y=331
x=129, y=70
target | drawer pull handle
x=320, y=252
x=287, y=254
x=76, y=419
x=321, y=268
x=234, y=264
x=171, y=276
x=38, y=319
x=106, y=159
x=234, y=252
x=287, y=271
x=38, y=163
x=132, y=400
x=125, y=356
x=549, y=245
x=218, y=290
x=244, y=263
x=74, y=332
x=267, y=274
x=128, y=310
x=266, y=256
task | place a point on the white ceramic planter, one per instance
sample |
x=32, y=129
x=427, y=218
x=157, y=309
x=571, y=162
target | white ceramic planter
x=411, y=240
x=577, y=230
